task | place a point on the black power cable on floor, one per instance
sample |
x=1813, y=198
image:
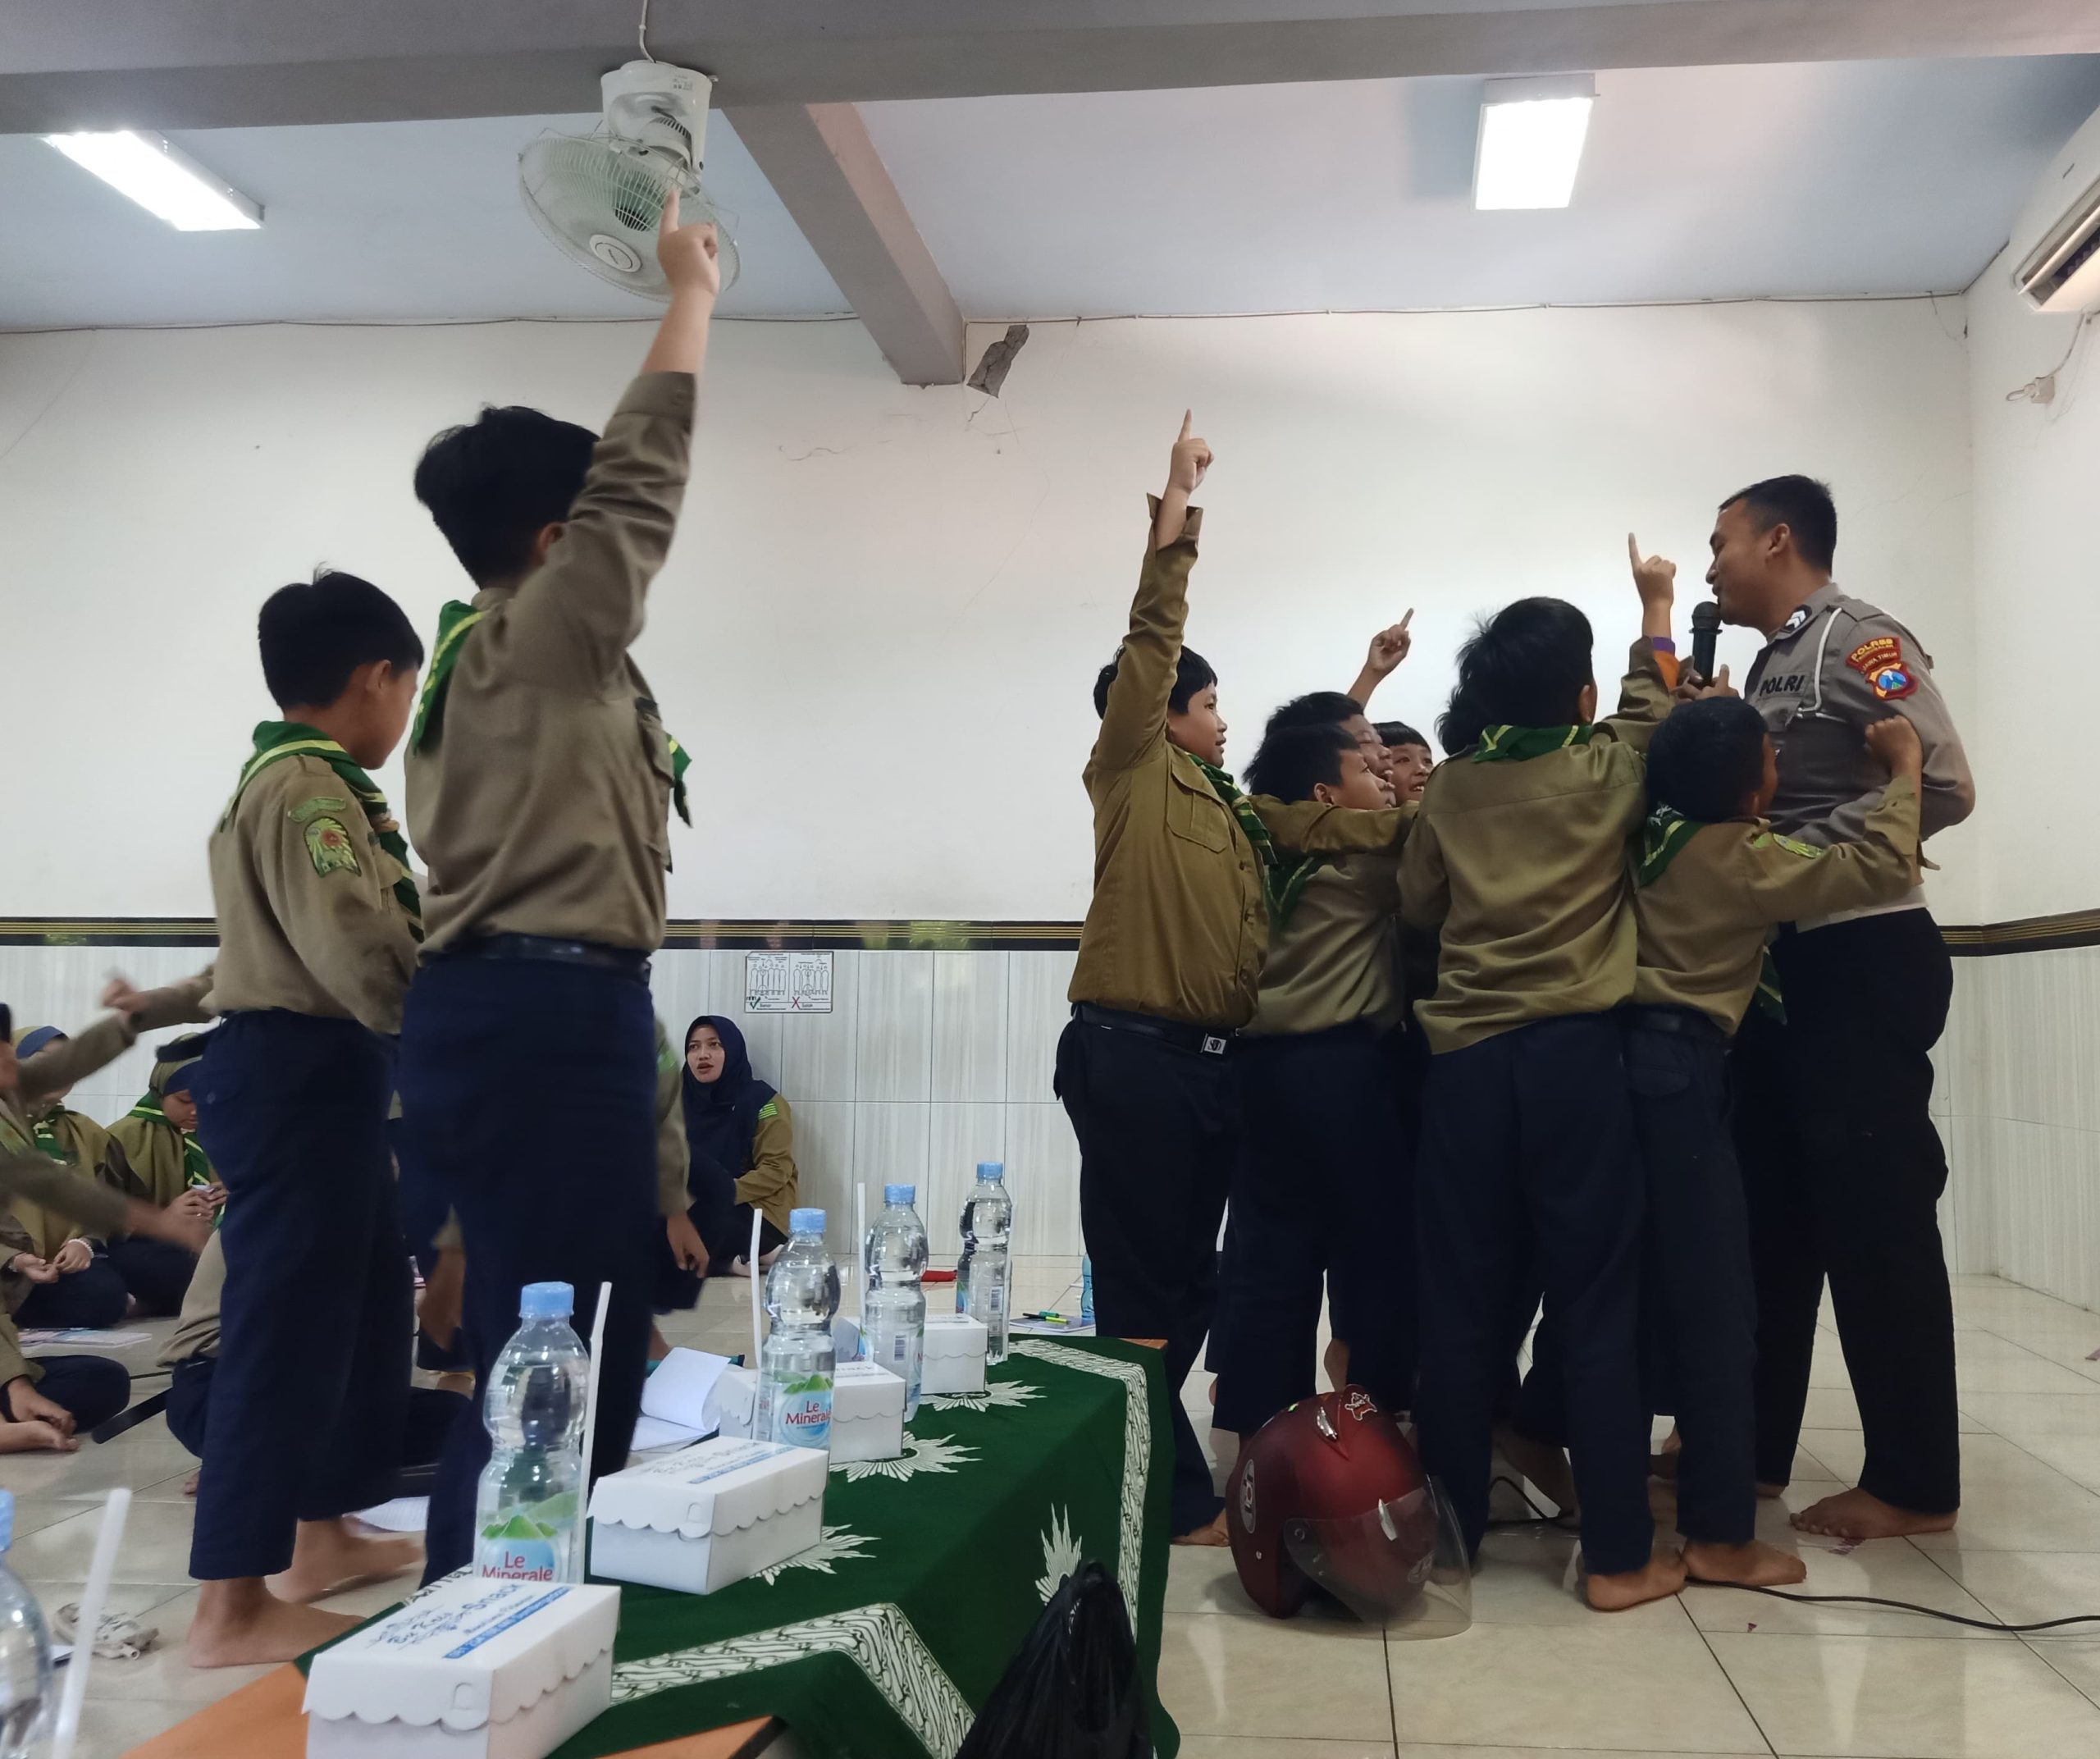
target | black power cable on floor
x=1540, y=1519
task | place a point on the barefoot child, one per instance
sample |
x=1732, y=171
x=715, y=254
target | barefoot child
x=318, y=921
x=1712, y=879
x=1519, y=855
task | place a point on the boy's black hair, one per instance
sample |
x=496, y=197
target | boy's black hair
x=314, y=633
x=1293, y=759
x=1318, y=708
x=1192, y=673
x=1706, y=758
x=1523, y=667
x=494, y=484
x=1801, y=503
x=1398, y=733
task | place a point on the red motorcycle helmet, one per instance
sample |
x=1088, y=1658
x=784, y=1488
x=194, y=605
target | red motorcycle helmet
x=1329, y=1493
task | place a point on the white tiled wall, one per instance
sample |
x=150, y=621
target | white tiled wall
x=932, y=1061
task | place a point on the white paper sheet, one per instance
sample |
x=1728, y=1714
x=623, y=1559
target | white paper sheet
x=42, y=1335
x=404, y=1514
x=676, y=1392
x=653, y=1435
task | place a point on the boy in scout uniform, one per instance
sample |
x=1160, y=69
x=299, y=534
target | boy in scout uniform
x=1320, y=1189
x=540, y=781
x=1712, y=879
x=1518, y=855
x=318, y=922
x=1842, y=1166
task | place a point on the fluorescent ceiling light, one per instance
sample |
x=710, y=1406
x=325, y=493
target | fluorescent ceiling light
x=161, y=179
x=1530, y=140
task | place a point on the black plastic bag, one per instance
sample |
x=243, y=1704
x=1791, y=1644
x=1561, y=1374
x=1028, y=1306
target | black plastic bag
x=1072, y=1692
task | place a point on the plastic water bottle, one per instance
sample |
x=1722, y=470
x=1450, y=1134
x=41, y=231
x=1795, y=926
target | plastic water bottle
x=797, y=1364
x=893, y=1319
x=24, y=1653
x=528, y=1517
x=1086, y=1289
x=988, y=1224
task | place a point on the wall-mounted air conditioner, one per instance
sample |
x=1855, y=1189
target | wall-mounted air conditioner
x=2055, y=247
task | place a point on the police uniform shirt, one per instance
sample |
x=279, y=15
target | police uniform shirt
x=1834, y=666
x=1522, y=864
x=540, y=799
x=1704, y=920
x=309, y=919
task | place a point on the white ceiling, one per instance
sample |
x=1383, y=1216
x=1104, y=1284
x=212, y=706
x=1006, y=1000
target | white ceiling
x=1874, y=177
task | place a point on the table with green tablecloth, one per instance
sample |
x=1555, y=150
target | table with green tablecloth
x=887, y=1637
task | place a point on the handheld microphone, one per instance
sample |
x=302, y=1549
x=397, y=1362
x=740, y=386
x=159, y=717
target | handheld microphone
x=1705, y=631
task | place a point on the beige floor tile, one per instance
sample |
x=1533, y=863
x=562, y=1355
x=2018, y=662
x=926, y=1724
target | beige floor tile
x=1203, y=1579
x=163, y=1674
x=1889, y=1697
x=1616, y=1688
x=2076, y=1456
x=2012, y=1501
x=1885, y=1568
x=2026, y=1588
x=2078, y=1662
x=1984, y=1362
x=132, y=1461
x=1235, y=1747
x=109, y=1727
x=1410, y=1750
x=1841, y=1452
x=1223, y=1675
x=1835, y=1408
x=2020, y=1414
x=1525, y=1576
x=155, y=1547
x=33, y=1513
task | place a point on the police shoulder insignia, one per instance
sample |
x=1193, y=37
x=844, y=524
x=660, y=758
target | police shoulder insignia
x=1880, y=661
x=1794, y=625
x=320, y=806
x=329, y=845
x=771, y=1109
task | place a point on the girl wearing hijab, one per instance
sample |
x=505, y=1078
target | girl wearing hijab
x=169, y=1169
x=740, y=1146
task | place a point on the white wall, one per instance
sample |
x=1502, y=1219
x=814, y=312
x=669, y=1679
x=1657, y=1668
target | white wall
x=885, y=608
x=2037, y=605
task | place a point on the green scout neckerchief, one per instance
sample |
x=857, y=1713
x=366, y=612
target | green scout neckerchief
x=46, y=1136
x=196, y=1164
x=1665, y=832
x=278, y=739
x=454, y=620
x=1284, y=878
x=1515, y=744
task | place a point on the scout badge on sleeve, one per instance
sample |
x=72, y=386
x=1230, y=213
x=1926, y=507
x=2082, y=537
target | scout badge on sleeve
x=1880, y=661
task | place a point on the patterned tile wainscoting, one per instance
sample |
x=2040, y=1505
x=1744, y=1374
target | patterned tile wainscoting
x=932, y=1060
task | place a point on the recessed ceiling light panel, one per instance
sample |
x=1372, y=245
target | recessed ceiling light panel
x=1530, y=140
x=161, y=179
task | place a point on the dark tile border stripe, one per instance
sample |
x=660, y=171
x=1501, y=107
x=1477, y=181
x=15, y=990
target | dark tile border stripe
x=2029, y=935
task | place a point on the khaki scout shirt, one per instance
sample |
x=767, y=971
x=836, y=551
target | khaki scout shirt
x=197, y=1331
x=1177, y=926
x=307, y=918
x=770, y=1186
x=1335, y=959
x=1705, y=920
x=1835, y=665
x=1523, y=865
x=541, y=800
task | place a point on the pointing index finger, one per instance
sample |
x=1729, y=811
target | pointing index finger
x=1406, y=620
x=1188, y=419
x=1633, y=550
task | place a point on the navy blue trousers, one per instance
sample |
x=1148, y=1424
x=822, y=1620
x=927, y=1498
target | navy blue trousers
x=155, y=1273
x=93, y=1388
x=1529, y=1157
x=312, y=1375
x=426, y=1418
x=529, y=1095
x=1320, y=1194
x=93, y=1300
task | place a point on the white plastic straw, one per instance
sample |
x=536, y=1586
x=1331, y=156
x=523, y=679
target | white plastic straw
x=860, y=1248
x=590, y=1386
x=92, y=1597
x=757, y=1276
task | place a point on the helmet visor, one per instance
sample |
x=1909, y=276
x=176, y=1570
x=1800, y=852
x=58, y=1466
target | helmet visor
x=1400, y=1564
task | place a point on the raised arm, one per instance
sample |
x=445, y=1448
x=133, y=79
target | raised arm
x=575, y=617
x=1134, y=722
x=1785, y=881
x=1389, y=648
x=1644, y=696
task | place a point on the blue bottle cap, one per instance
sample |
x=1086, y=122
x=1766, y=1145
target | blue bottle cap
x=991, y=1169
x=546, y=1300
x=806, y=1220
x=901, y=1193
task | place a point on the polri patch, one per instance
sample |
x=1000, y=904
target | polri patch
x=329, y=845
x=1880, y=662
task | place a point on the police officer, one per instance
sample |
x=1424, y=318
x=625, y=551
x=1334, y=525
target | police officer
x=1843, y=1167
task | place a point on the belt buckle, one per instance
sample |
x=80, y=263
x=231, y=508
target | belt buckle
x=1213, y=1045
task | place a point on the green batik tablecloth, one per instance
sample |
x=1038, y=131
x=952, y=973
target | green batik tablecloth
x=884, y=1639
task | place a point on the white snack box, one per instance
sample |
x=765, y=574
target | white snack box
x=708, y=1515
x=475, y=1669
x=732, y=1402
x=952, y=1360
x=867, y=1413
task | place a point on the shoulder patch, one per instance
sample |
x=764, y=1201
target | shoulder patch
x=1880, y=661
x=1794, y=624
x=329, y=846
x=320, y=806
x=1807, y=851
x=771, y=1109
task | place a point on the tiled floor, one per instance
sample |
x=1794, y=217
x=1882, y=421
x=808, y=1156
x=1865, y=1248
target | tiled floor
x=1537, y=1676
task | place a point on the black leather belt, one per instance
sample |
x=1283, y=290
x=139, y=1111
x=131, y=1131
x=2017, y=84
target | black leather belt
x=1688, y=1022
x=627, y=961
x=1202, y=1041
